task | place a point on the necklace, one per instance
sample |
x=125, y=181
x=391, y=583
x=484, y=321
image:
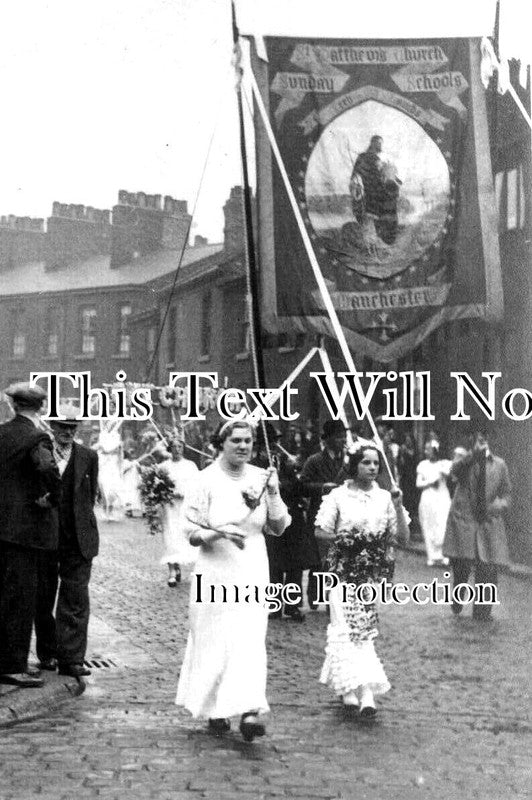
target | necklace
x=233, y=472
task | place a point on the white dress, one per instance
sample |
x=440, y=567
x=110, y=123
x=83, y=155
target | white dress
x=434, y=505
x=111, y=486
x=224, y=669
x=364, y=524
x=177, y=549
x=131, y=484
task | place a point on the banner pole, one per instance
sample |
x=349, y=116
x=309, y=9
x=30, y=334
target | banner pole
x=335, y=322
x=287, y=381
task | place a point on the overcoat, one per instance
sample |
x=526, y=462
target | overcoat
x=466, y=536
x=81, y=505
x=27, y=473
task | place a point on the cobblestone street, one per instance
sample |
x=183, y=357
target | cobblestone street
x=456, y=724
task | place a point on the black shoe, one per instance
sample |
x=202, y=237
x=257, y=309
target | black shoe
x=250, y=727
x=457, y=609
x=49, y=664
x=294, y=614
x=275, y=615
x=74, y=670
x=368, y=712
x=219, y=726
x=22, y=680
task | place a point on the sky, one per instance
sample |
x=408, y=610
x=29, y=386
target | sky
x=133, y=94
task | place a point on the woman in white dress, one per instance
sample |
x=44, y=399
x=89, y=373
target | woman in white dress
x=177, y=550
x=361, y=522
x=434, y=503
x=110, y=484
x=224, y=669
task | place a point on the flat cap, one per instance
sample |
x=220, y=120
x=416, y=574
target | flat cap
x=26, y=394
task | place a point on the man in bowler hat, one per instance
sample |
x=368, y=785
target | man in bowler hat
x=29, y=488
x=322, y=472
x=62, y=642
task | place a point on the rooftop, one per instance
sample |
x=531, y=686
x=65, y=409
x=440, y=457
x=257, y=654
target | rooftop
x=96, y=273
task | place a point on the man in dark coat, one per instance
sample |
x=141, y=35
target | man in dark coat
x=63, y=642
x=322, y=472
x=29, y=488
x=475, y=538
x=291, y=553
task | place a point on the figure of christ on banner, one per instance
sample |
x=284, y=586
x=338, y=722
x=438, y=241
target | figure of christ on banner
x=377, y=190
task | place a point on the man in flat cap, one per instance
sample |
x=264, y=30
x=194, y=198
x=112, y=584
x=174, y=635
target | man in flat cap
x=62, y=642
x=29, y=488
x=322, y=472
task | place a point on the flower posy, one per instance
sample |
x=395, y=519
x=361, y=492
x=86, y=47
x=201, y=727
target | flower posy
x=253, y=493
x=157, y=489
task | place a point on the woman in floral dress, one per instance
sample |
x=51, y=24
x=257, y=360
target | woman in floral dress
x=224, y=669
x=360, y=520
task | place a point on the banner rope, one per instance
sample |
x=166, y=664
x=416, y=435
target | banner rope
x=185, y=244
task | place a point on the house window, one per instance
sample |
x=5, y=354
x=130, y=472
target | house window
x=511, y=201
x=124, y=338
x=16, y=326
x=245, y=338
x=171, y=328
x=19, y=345
x=51, y=331
x=206, y=329
x=151, y=336
x=88, y=331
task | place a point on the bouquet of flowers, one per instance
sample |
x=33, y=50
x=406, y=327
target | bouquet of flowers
x=359, y=555
x=157, y=489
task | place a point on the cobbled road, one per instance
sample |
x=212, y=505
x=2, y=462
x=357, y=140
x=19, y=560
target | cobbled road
x=457, y=723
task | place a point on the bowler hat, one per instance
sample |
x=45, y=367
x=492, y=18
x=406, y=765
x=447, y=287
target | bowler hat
x=25, y=394
x=332, y=427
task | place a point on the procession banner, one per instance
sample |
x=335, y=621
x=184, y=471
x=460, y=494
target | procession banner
x=386, y=147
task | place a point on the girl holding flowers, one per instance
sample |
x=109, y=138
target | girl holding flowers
x=224, y=669
x=361, y=522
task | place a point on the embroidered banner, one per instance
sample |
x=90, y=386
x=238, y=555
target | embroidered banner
x=386, y=147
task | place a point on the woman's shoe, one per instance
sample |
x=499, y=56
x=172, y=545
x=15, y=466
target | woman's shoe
x=172, y=582
x=250, y=727
x=350, y=699
x=367, y=704
x=219, y=726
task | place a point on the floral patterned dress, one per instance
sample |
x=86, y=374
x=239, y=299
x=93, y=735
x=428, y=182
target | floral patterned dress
x=364, y=525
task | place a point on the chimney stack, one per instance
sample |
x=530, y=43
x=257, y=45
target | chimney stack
x=143, y=224
x=22, y=240
x=234, y=231
x=75, y=233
